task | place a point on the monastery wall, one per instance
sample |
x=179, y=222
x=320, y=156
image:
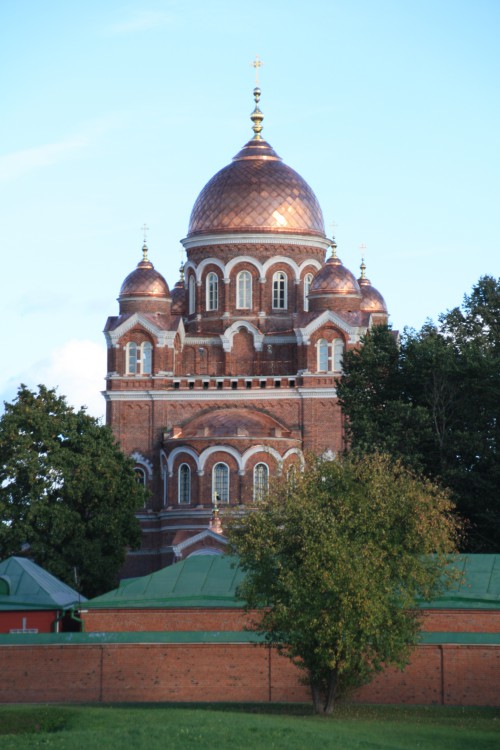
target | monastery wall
x=156, y=672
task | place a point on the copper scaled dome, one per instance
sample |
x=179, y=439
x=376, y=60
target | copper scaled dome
x=257, y=192
x=144, y=281
x=334, y=278
x=371, y=299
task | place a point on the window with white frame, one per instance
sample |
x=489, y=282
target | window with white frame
x=260, y=481
x=212, y=291
x=279, y=291
x=338, y=354
x=307, y=285
x=146, y=358
x=184, y=484
x=220, y=483
x=139, y=358
x=131, y=355
x=329, y=355
x=191, y=295
x=244, y=290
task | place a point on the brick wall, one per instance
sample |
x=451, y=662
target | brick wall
x=453, y=675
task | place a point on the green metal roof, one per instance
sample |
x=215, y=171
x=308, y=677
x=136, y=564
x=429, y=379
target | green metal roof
x=479, y=588
x=212, y=580
x=198, y=581
x=209, y=636
x=27, y=586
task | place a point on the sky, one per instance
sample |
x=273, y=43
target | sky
x=116, y=114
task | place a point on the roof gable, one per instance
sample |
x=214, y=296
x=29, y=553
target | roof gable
x=32, y=587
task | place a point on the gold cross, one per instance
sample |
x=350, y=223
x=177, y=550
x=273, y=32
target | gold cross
x=145, y=230
x=257, y=63
x=362, y=247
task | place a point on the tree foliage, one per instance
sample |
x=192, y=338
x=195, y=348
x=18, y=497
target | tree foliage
x=67, y=492
x=433, y=401
x=335, y=560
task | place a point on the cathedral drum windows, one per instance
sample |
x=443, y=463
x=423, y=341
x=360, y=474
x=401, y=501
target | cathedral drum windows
x=191, y=295
x=184, y=489
x=220, y=483
x=307, y=285
x=212, y=292
x=139, y=358
x=244, y=290
x=279, y=291
x=329, y=355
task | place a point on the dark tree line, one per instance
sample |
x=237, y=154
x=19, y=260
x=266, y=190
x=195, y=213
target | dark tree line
x=68, y=494
x=432, y=399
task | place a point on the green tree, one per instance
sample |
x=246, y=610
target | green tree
x=335, y=560
x=67, y=492
x=432, y=400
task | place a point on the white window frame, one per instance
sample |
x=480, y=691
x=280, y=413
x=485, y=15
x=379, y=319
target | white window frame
x=338, y=354
x=132, y=358
x=280, y=291
x=182, y=492
x=221, y=488
x=244, y=290
x=139, y=358
x=212, y=291
x=260, y=483
x=307, y=285
x=329, y=354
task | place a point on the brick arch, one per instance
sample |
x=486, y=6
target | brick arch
x=178, y=452
x=205, y=455
x=248, y=454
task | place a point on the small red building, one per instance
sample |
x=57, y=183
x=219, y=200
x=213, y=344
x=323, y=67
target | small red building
x=34, y=601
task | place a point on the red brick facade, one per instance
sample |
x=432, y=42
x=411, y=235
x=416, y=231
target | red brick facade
x=230, y=379
x=117, y=672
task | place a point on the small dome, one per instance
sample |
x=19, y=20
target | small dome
x=371, y=299
x=335, y=279
x=144, y=281
x=178, y=298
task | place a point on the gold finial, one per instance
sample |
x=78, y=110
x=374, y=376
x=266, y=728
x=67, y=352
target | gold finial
x=257, y=116
x=363, y=268
x=181, y=271
x=145, y=229
x=334, y=225
x=257, y=63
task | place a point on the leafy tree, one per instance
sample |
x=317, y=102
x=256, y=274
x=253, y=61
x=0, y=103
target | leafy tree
x=67, y=492
x=433, y=401
x=335, y=560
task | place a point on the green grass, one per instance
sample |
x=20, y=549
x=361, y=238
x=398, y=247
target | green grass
x=252, y=727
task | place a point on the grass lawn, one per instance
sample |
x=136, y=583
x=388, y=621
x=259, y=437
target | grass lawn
x=256, y=727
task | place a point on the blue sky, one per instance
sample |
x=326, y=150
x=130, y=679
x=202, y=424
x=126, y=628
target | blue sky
x=117, y=113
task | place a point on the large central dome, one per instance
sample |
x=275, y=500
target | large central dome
x=257, y=192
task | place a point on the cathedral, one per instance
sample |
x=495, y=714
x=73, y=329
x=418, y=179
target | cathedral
x=228, y=379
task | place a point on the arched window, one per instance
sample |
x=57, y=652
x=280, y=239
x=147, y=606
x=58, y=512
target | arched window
x=279, y=291
x=220, y=483
x=260, y=481
x=212, y=291
x=146, y=358
x=139, y=358
x=307, y=285
x=191, y=295
x=184, y=484
x=323, y=358
x=291, y=475
x=140, y=476
x=338, y=354
x=244, y=290
x=131, y=354
x=330, y=355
